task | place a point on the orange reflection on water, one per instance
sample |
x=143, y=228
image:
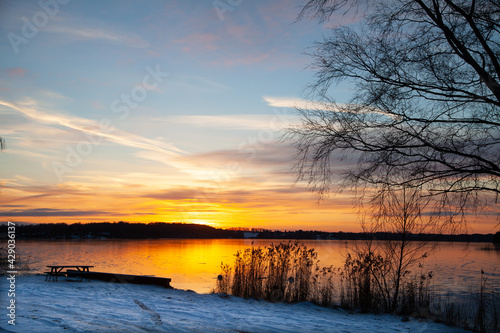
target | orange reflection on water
x=195, y=264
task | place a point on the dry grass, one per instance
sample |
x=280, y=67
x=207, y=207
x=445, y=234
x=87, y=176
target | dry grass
x=289, y=272
x=279, y=272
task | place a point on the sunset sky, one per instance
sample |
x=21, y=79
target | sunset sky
x=159, y=111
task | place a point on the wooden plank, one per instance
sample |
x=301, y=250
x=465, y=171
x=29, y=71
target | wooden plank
x=70, y=266
x=122, y=278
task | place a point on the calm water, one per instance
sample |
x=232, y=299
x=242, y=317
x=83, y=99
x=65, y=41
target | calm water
x=194, y=264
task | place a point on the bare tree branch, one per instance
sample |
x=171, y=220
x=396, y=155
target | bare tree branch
x=426, y=102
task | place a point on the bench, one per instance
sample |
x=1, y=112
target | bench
x=57, y=270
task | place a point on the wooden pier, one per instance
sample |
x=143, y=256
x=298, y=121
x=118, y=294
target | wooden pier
x=121, y=278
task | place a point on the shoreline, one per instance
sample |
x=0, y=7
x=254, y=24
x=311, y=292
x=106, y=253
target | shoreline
x=108, y=307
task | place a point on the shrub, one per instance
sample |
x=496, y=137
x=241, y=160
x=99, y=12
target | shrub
x=290, y=272
x=279, y=272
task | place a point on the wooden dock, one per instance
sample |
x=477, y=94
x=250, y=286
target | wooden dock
x=121, y=278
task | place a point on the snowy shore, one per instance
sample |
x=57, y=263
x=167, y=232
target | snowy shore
x=95, y=306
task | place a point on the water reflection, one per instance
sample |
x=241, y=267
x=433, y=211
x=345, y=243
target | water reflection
x=194, y=264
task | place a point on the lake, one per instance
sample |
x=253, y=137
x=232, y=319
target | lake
x=194, y=264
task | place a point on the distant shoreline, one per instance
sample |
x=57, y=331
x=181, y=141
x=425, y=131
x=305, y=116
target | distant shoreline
x=160, y=230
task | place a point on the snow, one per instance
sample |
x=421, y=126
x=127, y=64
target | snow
x=94, y=306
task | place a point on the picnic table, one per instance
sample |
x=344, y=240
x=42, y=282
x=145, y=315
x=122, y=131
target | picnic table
x=57, y=270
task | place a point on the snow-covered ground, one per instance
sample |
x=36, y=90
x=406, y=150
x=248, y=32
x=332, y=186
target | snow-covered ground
x=96, y=306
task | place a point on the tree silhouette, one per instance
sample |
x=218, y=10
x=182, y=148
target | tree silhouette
x=426, y=101
x=400, y=211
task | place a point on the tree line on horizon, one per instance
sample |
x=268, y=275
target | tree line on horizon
x=126, y=230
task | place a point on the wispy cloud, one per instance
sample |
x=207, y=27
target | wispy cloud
x=199, y=167
x=27, y=154
x=270, y=155
x=80, y=31
x=295, y=103
x=51, y=212
x=93, y=128
x=55, y=95
x=303, y=104
x=243, y=121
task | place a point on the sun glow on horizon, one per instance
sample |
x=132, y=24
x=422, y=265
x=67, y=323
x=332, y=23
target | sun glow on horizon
x=160, y=112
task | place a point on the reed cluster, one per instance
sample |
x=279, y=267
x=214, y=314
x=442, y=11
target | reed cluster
x=279, y=272
x=290, y=272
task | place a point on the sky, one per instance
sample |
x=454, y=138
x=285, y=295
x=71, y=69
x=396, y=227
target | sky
x=147, y=111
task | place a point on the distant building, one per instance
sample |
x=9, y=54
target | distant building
x=250, y=234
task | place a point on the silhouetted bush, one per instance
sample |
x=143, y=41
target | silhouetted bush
x=279, y=272
x=371, y=280
x=290, y=272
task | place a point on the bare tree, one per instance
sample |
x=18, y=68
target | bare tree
x=2, y=143
x=426, y=102
x=401, y=211
x=381, y=272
